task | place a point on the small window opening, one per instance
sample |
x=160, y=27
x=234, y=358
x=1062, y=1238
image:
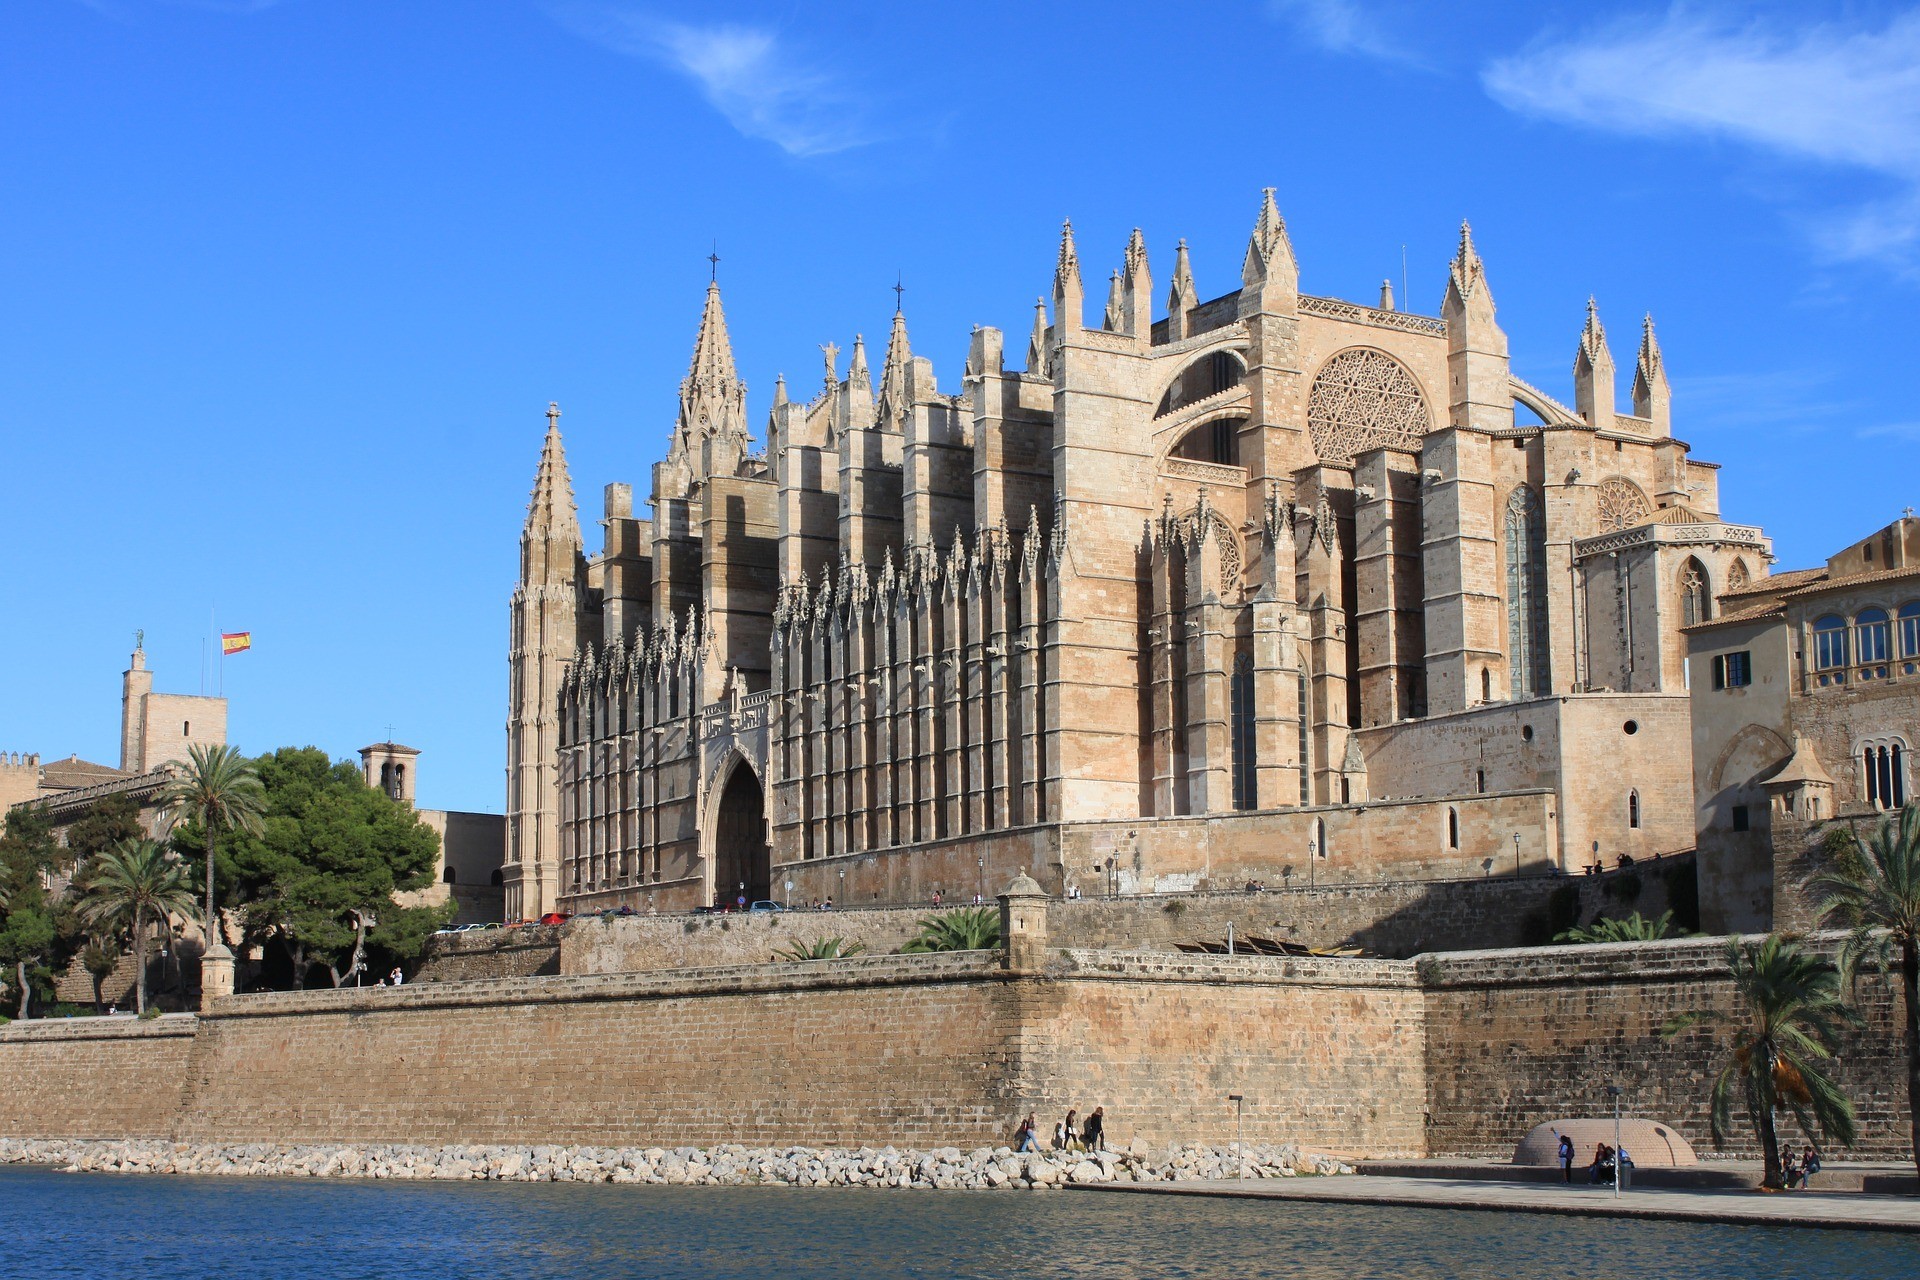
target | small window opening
x=1633, y=810
x=447, y=876
x=1453, y=828
x=1480, y=781
x=1739, y=816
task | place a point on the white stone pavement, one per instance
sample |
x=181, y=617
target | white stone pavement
x=1845, y=1210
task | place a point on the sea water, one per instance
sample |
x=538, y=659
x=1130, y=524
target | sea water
x=107, y=1225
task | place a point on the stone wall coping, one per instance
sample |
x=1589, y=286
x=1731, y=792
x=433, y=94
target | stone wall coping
x=525, y=938
x=1598, y=963
x=1240, y=971
x=101, y=1028
x=808, y=975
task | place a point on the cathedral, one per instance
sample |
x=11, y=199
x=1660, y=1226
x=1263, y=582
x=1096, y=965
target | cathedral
x=1274, y=585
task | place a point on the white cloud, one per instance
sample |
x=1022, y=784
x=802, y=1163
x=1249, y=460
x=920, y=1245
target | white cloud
x=1839, y=95
x=762, y=87
x=1339, y=26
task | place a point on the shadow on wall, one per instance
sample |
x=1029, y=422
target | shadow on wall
x=1531, y=911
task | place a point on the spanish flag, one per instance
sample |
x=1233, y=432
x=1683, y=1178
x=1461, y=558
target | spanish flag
x=235, y=642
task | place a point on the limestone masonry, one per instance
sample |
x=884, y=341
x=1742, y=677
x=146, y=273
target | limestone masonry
x=1271, y=560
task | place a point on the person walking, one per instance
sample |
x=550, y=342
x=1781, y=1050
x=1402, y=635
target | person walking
x=1073, y=1132
x=1026, y=1142
x=1566, y=1158
x=1095, y=1138
x=1060, y=1135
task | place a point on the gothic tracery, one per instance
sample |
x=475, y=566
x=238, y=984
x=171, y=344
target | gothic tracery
x=1620, y=504
x=1363, y=399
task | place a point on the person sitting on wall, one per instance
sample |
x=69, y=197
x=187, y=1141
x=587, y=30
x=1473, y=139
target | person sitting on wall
x=1790, y=1169
x=1809, y=1166
x=1602, y=1167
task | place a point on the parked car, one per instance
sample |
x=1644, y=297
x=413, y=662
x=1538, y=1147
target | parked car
x=556, y=917
x=766, y=906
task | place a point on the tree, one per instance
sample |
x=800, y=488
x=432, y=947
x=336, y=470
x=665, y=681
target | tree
x=28, y=936
x=99, y=958
x=1874, y=894
x=318, y=876
x=106, y=823
x=1635, y=928
x=135, y=884
x=1788, y=1014
x=218, y=790
x=962, y=929
x=821, y=949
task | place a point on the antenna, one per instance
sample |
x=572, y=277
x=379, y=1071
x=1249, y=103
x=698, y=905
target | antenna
x=1406, y=299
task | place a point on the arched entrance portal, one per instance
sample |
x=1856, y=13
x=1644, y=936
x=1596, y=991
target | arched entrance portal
x=741, y=855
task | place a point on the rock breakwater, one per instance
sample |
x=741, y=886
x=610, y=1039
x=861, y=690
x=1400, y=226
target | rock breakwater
x=983, y=1169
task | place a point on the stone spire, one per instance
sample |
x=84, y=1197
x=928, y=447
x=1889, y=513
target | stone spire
x=1069, y=298
x=1386, y=295
x=712, y=425
x=1181, y=296
x=1593, y=372
x=1467, y=276
x=1115, y=320
x=1136, y=290
x=1652, y=397
x=893, y=375
x=857, y=371
x=1037, y=344
x=551, y=537
x=1269, y=276
x=1480, y=393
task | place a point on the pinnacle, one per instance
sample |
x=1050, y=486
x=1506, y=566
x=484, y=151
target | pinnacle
x=712, y=349
x=1037, y=344
x=1268, y=242
x=1068, y=266
x=893, y=374
x=857, y=371
x=550, y=511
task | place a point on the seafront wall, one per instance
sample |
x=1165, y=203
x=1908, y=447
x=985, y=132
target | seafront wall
x=1518, y=1038
x=1454, y=1054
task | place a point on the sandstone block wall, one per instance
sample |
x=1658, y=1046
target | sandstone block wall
x=627, y=944
x=526, y=952
x=1518, y=1038
x=94, y=1077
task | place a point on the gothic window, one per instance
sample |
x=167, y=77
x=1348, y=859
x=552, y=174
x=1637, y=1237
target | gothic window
x=1695, y=601
x=1453, y=827
x=1363, y=399
x=1633, y=810
x=1486, y=685
x=1241, y=695
x=1620, y=504
x=1526, y=595
x=1871, y=633
x=1738, y=576
x=1320, y=837
x=1830, y=642
x=1910, y=630
x=1306, y=774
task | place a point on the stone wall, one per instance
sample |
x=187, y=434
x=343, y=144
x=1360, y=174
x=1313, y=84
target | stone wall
x=1398, y=919
x=1519, y=1038
x=94, y=1077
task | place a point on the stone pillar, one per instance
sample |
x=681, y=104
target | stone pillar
x=1023, y=925
x=216, y=971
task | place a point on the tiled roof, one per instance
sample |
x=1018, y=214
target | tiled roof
x=73, y=773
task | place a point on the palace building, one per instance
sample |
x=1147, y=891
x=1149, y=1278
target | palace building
x=1256, y=587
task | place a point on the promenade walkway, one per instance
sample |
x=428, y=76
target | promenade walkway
x=1846, y=1210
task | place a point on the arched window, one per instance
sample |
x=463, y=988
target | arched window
x=1871, y=634
x=448, y=877
x=1453, y=827
x=1320, y=837
x=1830, y=642
x=1738, y=576
x=1633, y=810
x=1526, y=595
x=1362, y=399
x=1480, y=781
x=1910, y=630
x=1240, y=694
x=1695, y=602
x=1884, y=769
x=496, y=877
x=1486, y=685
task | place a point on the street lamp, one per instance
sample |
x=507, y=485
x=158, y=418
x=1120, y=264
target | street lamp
x=1516, y=853
x=1613, y=1091
x=982, y=862
x=1312, y=845
x=1239, y=1132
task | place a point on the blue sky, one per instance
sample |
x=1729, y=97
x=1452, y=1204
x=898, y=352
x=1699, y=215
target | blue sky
x=285, y=287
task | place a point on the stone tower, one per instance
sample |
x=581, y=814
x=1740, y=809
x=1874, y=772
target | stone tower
x=545, y=626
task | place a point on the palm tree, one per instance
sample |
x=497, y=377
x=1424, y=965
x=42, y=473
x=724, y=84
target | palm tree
x=1874, y=894
x=821, y=949
x=218, y=788
x=99, y=959
x=129, y=886
x=962, y=929
x=1788, y=1013
x=1635, y=928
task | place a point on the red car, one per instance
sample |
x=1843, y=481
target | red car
x=556, y=917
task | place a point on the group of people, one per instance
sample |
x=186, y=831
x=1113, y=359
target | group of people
x=1090, y=1136
x=1606, y=1161
x=1800, y=1168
